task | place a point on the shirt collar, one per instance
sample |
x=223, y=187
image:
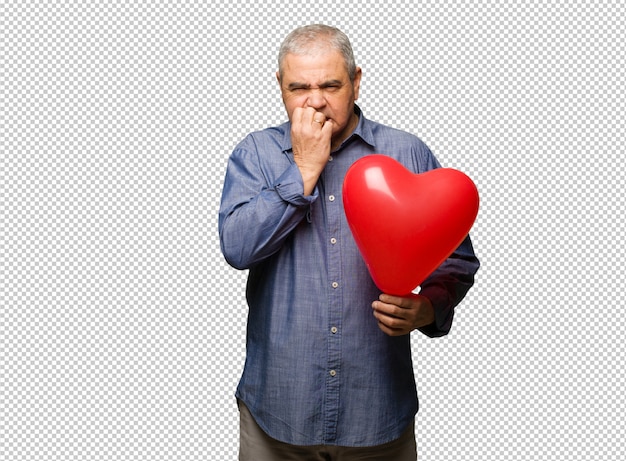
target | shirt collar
x=363, y=130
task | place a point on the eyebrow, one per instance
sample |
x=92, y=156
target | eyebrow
x=297, y=85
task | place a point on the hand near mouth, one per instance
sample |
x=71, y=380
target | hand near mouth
x=311, y=135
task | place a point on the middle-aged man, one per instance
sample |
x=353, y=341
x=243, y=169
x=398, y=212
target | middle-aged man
x=328, y=372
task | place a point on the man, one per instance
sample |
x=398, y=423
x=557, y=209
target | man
x=328, y=372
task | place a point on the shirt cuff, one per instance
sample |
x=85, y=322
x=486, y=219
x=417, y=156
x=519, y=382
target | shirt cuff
x=289, y=186
x=440, y=299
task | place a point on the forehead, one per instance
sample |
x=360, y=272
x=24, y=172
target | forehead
x=314, y=68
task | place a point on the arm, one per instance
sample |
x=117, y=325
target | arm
x=432, y=310
x=258, y=212
x=448, y=285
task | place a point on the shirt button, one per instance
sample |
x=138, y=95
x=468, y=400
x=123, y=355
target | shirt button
x=331, y=198
x=335, y=285
x=333, y=373
x=333, y=330
x=333, y=240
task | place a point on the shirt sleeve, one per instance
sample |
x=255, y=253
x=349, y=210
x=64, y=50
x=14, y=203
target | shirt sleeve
x=261, y=205
x=448, y=285
x=450, y=282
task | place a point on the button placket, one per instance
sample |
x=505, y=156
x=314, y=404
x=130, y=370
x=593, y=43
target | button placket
x=334, y=216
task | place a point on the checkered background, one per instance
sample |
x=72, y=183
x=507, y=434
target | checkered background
x=121, y=326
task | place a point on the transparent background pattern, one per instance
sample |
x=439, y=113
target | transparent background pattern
x=121, y=326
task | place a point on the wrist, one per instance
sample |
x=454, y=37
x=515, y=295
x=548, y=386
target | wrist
x=310, y=176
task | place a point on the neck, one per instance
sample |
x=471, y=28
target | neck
x=345, y=133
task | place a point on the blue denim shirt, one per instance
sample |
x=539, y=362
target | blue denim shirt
x=318, y=369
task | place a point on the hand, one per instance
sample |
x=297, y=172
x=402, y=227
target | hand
x=311, y=135
x=400, y=315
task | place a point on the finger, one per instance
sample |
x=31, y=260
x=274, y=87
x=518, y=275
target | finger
x=303, y=116
x=383, y=319
x=390, y=299
x=400, y=301
x=391, y=328
x=327, y=127
x=389, y=310
x=389, y=321
x=299, y=114
x=319, y=119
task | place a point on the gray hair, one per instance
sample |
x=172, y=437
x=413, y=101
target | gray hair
x=306, y=40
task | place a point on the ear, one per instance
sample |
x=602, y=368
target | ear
x=357, y=83
x=278, y=77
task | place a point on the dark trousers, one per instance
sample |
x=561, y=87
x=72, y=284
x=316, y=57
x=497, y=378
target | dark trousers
x=256, y=445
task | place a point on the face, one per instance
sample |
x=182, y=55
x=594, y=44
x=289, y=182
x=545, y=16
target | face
x=321, y=81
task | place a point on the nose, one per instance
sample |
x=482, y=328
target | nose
x=316, y=99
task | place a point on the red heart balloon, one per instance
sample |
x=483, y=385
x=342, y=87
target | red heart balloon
x=406, y=224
